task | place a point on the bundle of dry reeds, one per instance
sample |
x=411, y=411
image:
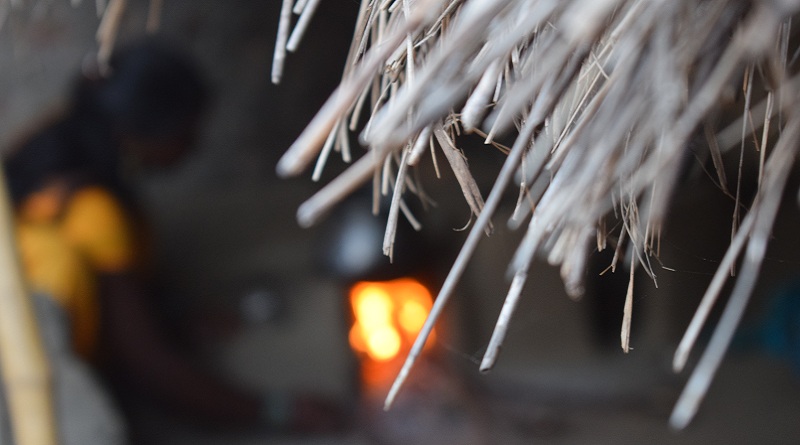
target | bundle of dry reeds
x=601, y=97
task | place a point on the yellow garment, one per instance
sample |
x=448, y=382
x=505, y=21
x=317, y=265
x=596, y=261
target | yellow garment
x=65, y=241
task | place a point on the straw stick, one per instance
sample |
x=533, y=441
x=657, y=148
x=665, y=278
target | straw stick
x=503, y=321
x=716, y=158
x=279, y=56
x=334, y=192
x=107, y=30
x=625, y=331
x=299, y=6
x=765, y=136
x=322, y=158
x=419, y=146
x=301, y=25
x=394, y=207
x=459, y=166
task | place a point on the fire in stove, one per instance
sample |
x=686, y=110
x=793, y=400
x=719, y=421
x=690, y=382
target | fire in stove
x=387, y=316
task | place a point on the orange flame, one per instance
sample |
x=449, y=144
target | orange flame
x=388, y=316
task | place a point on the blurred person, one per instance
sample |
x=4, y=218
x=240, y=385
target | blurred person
x=83, y=241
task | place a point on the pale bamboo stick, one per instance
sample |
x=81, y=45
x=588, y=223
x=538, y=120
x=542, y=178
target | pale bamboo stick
x=23, y=359
x=107, y=31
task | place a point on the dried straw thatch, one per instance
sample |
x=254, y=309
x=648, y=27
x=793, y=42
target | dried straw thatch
x=602, y=97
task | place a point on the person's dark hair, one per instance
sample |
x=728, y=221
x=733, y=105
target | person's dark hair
x=149, y=91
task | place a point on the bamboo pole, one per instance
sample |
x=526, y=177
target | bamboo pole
x=24, y=363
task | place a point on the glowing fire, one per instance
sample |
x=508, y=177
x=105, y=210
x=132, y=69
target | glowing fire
x=388, y=316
